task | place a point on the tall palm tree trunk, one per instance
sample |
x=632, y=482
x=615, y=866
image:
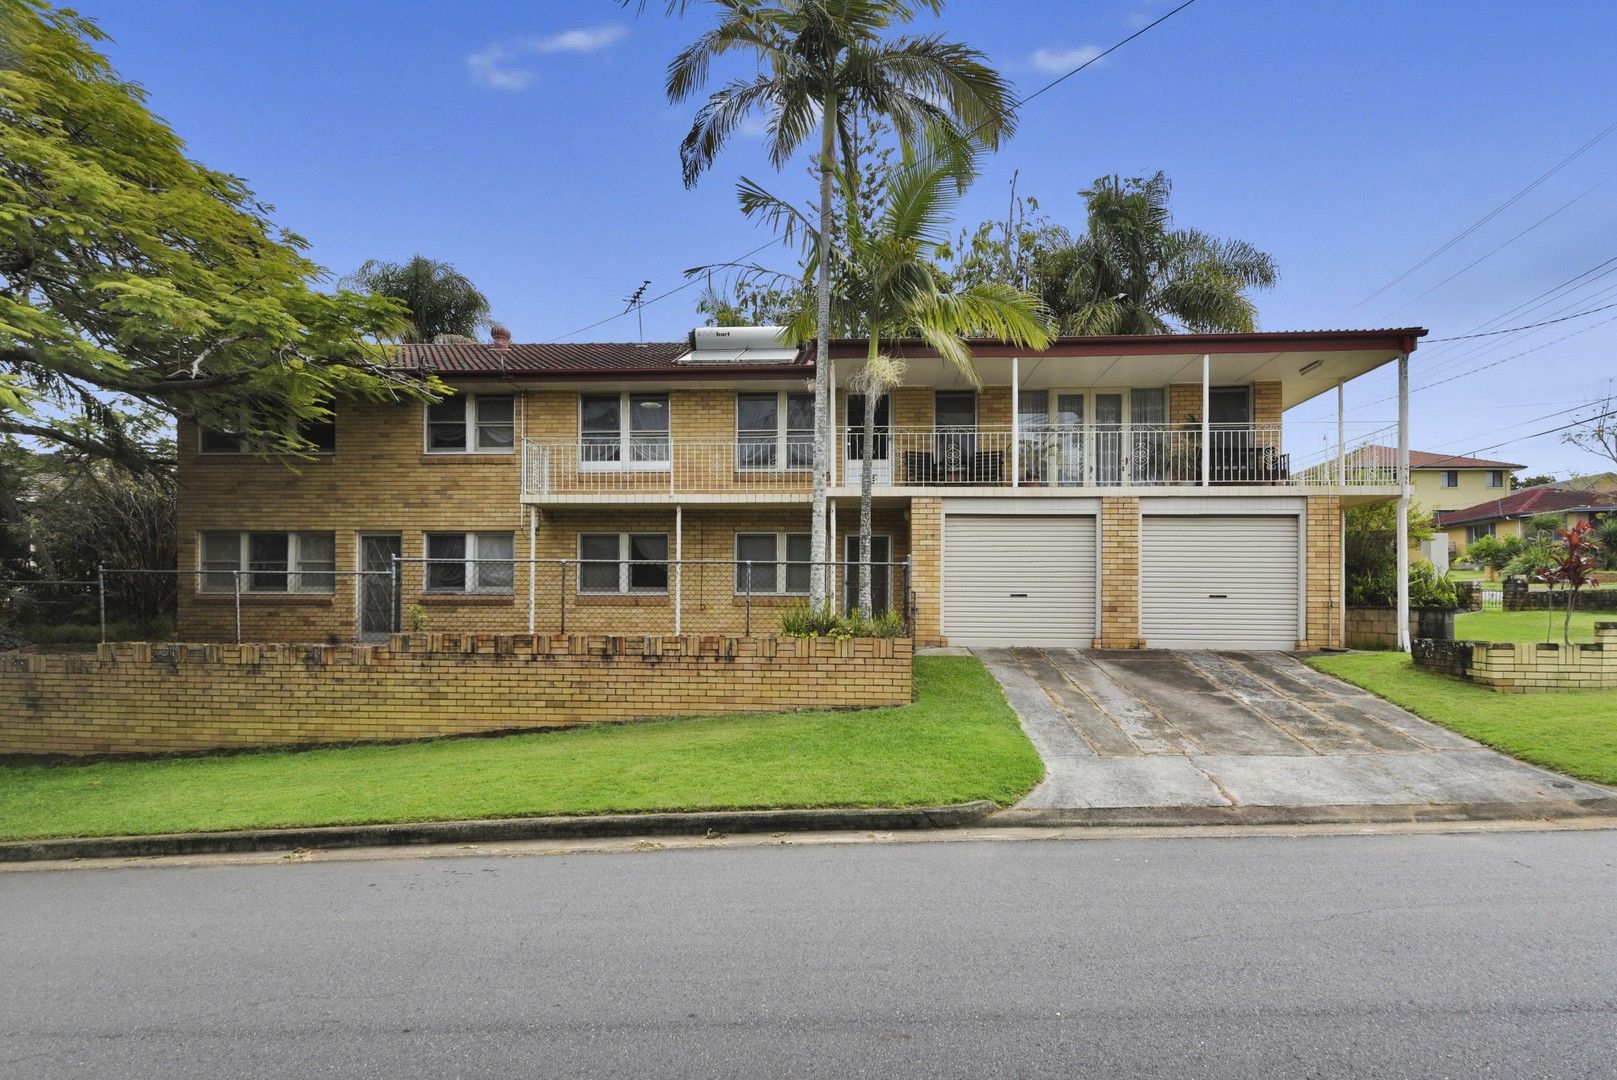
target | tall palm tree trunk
x=818, y=596
x=867, y=457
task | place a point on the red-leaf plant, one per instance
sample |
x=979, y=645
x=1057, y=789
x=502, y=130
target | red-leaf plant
x=1577, y=557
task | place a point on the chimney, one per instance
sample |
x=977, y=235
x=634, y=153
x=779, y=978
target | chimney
x=501, y=336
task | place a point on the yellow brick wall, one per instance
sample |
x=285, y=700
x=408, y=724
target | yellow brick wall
x=139, y=698
x=926, y=540
x=1323, y=524
x=1119, y=574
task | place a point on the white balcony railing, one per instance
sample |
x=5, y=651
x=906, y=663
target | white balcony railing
x=1156, y=455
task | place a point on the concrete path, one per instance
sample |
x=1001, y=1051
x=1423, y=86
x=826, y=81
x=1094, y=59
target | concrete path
x=1258, y=734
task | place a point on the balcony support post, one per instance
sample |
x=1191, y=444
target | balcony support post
x=1207, y=423
x=679, y=564
x=838, y=445
x=1016, y=421
x=1403, y=502
x=533, y=563
x=834, y=577
x=1341, y=438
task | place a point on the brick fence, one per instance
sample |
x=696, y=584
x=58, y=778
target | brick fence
x=144, y=698
x=1520, y=667
x=1519, y=597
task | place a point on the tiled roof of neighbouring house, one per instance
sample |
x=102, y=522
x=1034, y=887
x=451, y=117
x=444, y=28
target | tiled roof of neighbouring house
x=1424, y=459
x=478, y=358
x=1547, y=499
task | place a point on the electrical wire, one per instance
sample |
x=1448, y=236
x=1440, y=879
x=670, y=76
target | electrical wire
x=1017, y=104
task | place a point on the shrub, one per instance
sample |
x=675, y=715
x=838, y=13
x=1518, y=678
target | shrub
x=1428, y=588
x=801, y=620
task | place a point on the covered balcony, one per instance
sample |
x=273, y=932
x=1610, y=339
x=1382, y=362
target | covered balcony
x=1097, y=415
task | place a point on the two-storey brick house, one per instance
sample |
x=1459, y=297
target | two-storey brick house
x=1116, y=492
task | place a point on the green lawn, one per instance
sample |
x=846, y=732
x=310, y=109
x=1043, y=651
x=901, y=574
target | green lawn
x=959, y=741
x=1574, y=733
x=1525, y=625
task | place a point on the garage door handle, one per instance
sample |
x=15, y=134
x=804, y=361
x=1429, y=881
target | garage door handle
x=1218, y=596
x=1022, y=595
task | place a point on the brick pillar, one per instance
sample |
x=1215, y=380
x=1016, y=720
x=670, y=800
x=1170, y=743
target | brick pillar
x=1119, y=574
x=926, y=566
x=1323, y=578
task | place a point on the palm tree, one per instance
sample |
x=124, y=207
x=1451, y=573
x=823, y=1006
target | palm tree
x=898, y=290
x=440, y=300
x=1131, y=272
x=821, y=63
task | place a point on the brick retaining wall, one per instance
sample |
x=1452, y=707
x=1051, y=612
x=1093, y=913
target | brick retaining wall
x=1521, y=667
x=1518, y=597
x=142, y=698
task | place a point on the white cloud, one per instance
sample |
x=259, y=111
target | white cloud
x=1061, y=61
x=586, y=39
x=501, y=67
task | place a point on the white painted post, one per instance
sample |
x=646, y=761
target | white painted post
x=533, y=563
x=838, y=444
x=679, y=566
x=1341, y=438
x=1403, y=501
x=1207, y=424
x=834, y=577
x=1016, y=422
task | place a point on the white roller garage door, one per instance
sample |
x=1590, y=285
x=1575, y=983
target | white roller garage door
x=1019, y=580
x=1219, y=582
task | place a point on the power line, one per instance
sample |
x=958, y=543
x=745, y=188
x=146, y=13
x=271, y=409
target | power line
x=1497, y=248
x=1523, y=438
x=1529, y=326
x=1017, y=104
x=1489, y=216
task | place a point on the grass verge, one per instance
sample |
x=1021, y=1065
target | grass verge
x=957, y=742
x=1574, y=733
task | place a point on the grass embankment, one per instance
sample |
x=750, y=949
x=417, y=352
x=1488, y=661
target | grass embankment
x=1574, y=733
x=1526, y=625
x=957, y=742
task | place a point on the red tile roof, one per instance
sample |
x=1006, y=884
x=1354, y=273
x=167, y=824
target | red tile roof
x=1426, y=459
x=1545, y=499
x=562, y=359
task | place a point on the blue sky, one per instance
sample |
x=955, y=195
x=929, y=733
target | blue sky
x=530, y=145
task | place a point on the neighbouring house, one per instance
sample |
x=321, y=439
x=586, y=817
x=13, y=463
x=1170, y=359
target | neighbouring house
x=1442, y=482
x=1604, y=482
x=1503, y=517
x=1117, y=492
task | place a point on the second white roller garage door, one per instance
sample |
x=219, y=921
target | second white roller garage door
x=1219, y=582
x=1019, y=580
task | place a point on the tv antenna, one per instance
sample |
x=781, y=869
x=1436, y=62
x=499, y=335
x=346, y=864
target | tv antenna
x=636, y=302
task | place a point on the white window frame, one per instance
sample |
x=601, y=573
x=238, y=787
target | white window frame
x=1472, y=535
x=780, y=563
x=783, y=433
x=472, y=569
x=626, y=456
x=469, y=418
x=625, y=540
x=299, y=581
x=1496, y=478
x=1449, y=478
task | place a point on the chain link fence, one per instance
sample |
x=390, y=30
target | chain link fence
x=626, y=595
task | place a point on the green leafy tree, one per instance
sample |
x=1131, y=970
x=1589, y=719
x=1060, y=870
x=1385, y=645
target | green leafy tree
x=441, y=302
x=820, y=63
x=897, y=289
x=1535, y=480
x=1606, y=537
x=132, y=276
x=1132, y=272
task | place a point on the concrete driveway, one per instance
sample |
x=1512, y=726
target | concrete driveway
x=1202, y=736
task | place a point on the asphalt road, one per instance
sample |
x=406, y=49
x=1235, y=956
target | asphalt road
x=1394, y=956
